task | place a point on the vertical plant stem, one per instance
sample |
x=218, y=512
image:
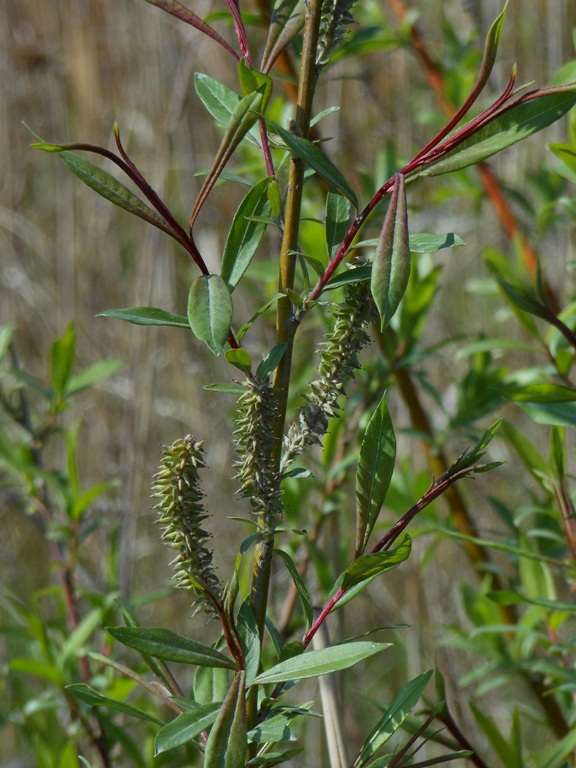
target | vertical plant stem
x=285, y=326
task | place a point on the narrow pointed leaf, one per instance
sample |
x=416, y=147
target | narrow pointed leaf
x=367, y=567
x=305, y=599
x=375, y=467
x=227, y=743
x=285, y=23
x=186, y=727
x=92, y=375
x=146, y=316
x=270, y=362
x=393, y=718
x=391, y=267
x=107, y=186
x=510, y=127
x=174, y=8
x=93, y=697
x=245, y=234
x=169, y=646
x=219, y=100
x=210, y=311
x=241, y=121
x=338, y=212
x=251, y=80
x=316, y=159
x=541, y=393
x=321, y=662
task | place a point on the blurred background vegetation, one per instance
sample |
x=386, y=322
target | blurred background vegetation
x=69, y=69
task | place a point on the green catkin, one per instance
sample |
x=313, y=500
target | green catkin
x=338, y=363
x=334, y=23
x=257, y=468
x=177, y=488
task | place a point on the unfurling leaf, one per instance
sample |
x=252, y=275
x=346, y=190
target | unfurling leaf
x=210, y=311
x=375, y=466
x=227, y=743
x=391, y=268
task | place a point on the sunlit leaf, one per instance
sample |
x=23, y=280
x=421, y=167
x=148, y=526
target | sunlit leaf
x=146, y=316
x=210, y=311
x=186, y=726
x=169, y=646
x=227, y=744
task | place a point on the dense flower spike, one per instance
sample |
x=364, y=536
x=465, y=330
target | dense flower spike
x=336, y=18
x=338, y=362
x=257, y=470
x=177, y=488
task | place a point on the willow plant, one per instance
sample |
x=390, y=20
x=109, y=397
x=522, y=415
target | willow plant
x=358, y=288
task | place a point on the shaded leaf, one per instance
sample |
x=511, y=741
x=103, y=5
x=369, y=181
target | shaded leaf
x=393, y=718
x=375, y=467
x=338, y=212
x=92, y=375
x=169, y=646
x=210, y=311
x=391, y=267
x=305, y=599
x=320, y=662
x=270, y=362
x=93, y=697
x=227, y=743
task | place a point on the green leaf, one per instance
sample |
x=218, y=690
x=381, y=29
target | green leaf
x=241, y=121
x=270, y=362
x=522, y=298
x=63, y=354
x=211, y=684
x=92, y=375
x=304, y=595
x=367, y=567
x=261, y=311
x=93, y=697
x=338, y=212
x=146, y=316
x=391, y=267
x=245, y=234
x=393, y=718
x=251, y=80
x=512, y=126
x=107, y=186
x=169, y=646
x=250, y=639
x=321, y=662
x=421, y=242
x=375, y=467
x=356, y=275
x=551, y=414
x=186, y=727
x=240, y=359
x=210, y=311
x=227, y=743
x=309, y=153
x=541, y=393
x=218, y=99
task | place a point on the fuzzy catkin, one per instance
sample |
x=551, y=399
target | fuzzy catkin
x=334, y=22
x=257, y=468
x=338, y=363
x=177, y=487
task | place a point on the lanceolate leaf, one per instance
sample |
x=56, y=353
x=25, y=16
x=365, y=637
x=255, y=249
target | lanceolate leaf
x=321, y=662
x=169, y=646
x=316, y=159
x=93, y=697
x=227, y=743
x=375, y=467
x=146, y=316
x=391, y=267
x=338, y=211
x=245, y=234
x=210, y=311
x=393, y=718
x=510, y=127
x=303, y=593
x=107, y=186
x=186, y=727
x=241, y=120
x=252, y=80
x=367, y=567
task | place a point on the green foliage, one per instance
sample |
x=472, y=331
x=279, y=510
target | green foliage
x=308, y=441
